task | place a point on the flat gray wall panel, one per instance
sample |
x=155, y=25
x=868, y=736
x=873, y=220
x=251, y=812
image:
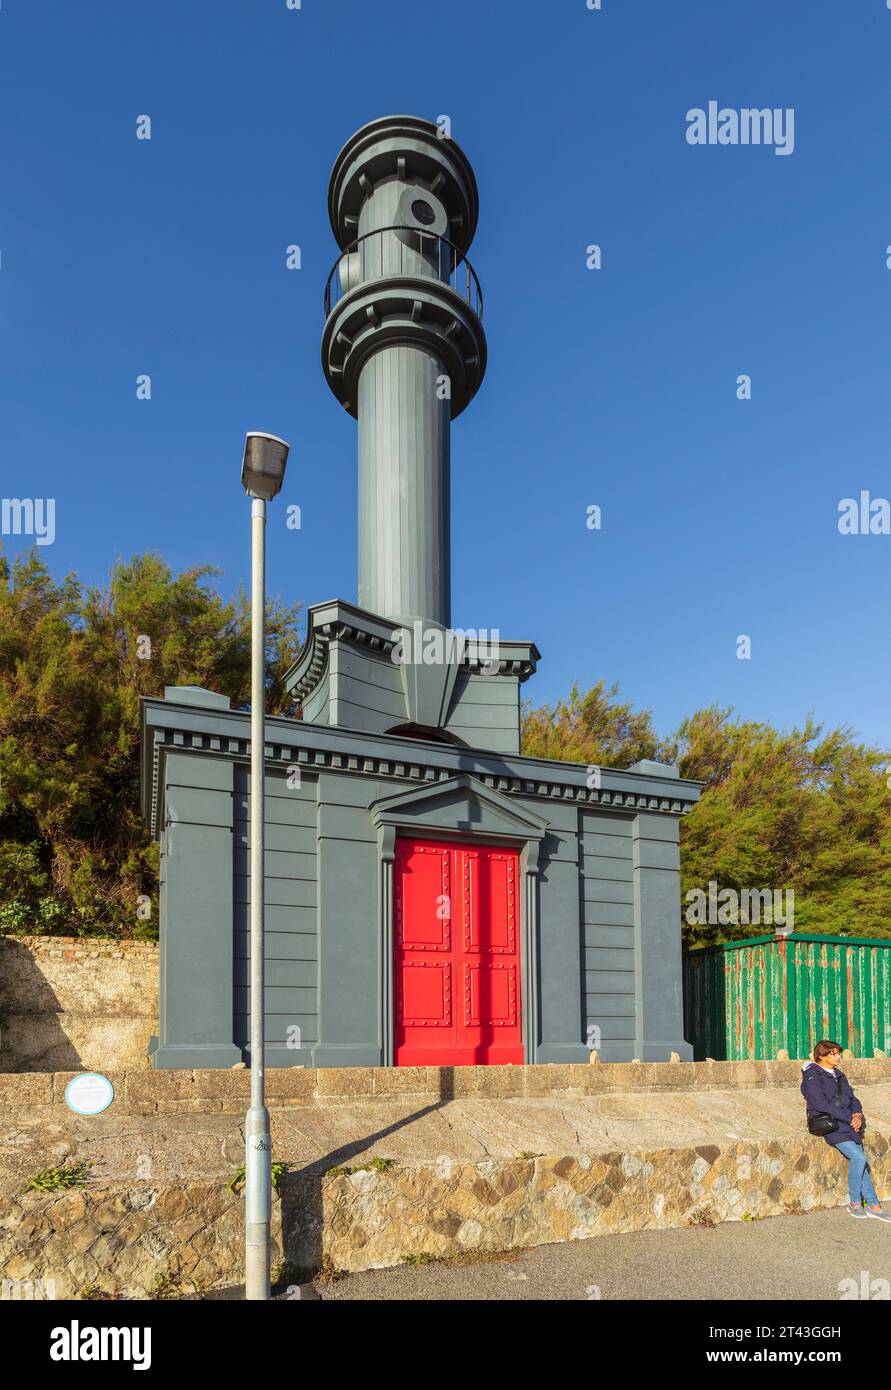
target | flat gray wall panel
x=346, y=822
x=277, y=863
x=562, y=814
x=277, y=1035
x=354, y=697
x=610, y=958
x=286, y=1001
x=610, y=982
x=596, y=827
x=608, y=890
x=195, y=807
x=286, y=839
x=611, y=1005
x=473, y=689
x=365, y=667
x=599, y=866
x=663, y=854
x=288, y=974
x=297, y=807
x=193, y=770
x=290, y=934
x=561, y=846
x=596, y=914
x=610, y=936
x=482, y=717
x=280, y=892
x=613, y=1030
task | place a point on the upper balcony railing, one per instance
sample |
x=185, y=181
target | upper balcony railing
x=403, y=251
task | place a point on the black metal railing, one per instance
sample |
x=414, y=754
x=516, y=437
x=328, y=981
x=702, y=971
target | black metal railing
x=403, y=251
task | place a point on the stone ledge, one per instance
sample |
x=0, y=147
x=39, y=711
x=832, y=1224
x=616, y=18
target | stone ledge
x=141, y=1092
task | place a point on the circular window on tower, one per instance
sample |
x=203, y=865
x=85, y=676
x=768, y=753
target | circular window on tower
x=423, y=212
x=421, y=219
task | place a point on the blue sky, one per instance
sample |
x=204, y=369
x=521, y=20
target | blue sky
x=614, y=387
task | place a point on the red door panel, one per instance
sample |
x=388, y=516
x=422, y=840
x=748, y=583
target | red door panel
x=457, y=961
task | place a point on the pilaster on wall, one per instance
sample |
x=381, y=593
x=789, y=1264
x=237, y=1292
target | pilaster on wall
x=659, y=1013
x=349, y=962
x=197, y=967
x=559, y=975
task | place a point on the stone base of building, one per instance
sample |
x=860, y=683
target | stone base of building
x=389, y=1165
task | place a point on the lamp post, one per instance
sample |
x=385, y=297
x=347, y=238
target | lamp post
x=262, y=474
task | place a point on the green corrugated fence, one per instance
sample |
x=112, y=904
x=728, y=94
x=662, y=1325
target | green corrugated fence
x=747, y=1000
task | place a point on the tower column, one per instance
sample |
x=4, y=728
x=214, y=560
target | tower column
x=404, y=427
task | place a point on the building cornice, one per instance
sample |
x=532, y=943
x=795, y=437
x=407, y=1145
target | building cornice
x=167, y=726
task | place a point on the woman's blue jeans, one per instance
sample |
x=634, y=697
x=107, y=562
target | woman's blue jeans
x=859, y=1181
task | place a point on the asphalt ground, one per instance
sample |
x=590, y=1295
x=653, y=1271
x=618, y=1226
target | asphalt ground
x=822, y=1255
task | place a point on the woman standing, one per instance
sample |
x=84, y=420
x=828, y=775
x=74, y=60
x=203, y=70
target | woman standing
x=828, y=1092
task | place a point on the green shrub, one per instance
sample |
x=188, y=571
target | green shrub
x=58, y=1179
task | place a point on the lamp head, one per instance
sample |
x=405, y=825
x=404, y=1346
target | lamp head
x=263, y=467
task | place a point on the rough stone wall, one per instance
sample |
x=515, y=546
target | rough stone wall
x=76, y=1004
x=143, y=1240
x=374, y=1219
x=389, y=1165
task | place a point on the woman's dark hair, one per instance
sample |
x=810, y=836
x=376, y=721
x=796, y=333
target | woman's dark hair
x=824, y=1047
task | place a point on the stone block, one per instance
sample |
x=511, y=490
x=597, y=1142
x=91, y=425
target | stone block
x=390, y=1081
x=21, y=1090
x=224, y=1083
x=150, y=1087
x=292, y=1083
x=354, y=1082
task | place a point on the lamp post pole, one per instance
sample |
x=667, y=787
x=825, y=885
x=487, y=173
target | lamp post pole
x=258, y=1145
x=262, y=474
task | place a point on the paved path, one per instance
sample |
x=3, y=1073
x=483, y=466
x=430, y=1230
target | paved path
x=783, y=1257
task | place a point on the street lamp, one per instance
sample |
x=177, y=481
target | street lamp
x=262, y=474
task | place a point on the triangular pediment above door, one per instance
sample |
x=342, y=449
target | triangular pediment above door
x=459, y=805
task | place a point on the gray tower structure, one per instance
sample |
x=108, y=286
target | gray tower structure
x=403, y=349
x=400, y=750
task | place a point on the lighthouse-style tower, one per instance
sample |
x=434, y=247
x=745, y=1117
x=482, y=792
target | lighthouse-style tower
x=403, y=348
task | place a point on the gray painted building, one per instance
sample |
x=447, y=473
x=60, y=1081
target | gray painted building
x=431, y=895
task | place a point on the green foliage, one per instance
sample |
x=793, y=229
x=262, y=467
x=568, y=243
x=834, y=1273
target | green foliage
x=806, y=810
x=236, y=1182
x=45, y=917
x=596, y=729
x=803, y=810
x=58, y=1179
x=378, y=1165
x=167, y=1285
x=74, y=664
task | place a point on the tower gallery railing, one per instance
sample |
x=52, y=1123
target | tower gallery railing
x=403, y=251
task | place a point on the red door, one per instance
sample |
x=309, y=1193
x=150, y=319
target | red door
x=457, y=955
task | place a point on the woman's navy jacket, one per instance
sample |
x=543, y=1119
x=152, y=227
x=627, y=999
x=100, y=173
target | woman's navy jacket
x=818, y=1089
